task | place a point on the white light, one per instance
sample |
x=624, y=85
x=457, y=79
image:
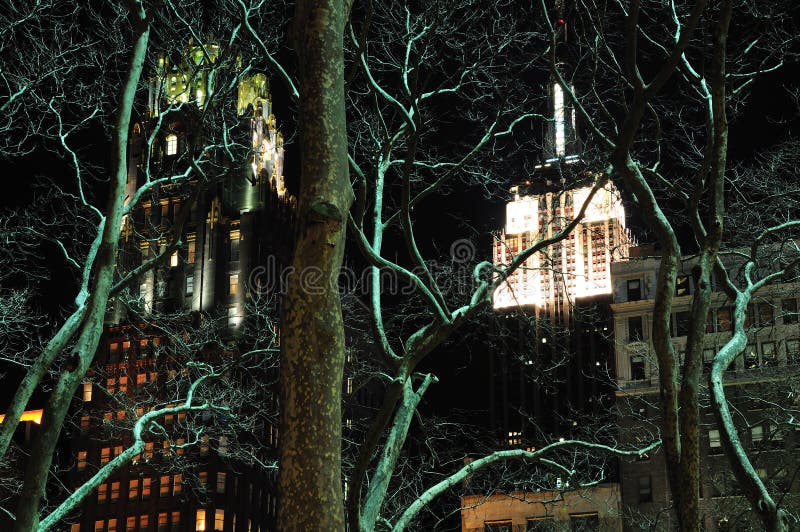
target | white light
x=558, y=118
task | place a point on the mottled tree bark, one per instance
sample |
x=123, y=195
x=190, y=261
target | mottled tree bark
x=312, y=357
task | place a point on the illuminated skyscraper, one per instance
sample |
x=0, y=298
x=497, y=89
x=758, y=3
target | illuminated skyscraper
x=237, y=225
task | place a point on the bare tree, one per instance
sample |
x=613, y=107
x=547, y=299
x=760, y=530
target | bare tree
x=637, y=87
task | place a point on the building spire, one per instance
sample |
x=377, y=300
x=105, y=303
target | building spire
x=561, y=139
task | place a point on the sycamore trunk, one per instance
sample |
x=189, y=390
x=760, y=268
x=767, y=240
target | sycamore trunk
x=312, y=354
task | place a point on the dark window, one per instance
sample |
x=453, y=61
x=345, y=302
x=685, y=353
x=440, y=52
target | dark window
x=637, y=368
x=708, y=359
x=497, y=526
x=749, y=317
x=584, y=522
x=682, y=285
x=789, y=308
x=750, y=356
x=792, y=351
x=540, y=524
x=634, y=290
x=724, y=319
x=682, y=322
x=635, y=329
x=769, y=356
x=710, y=322
x=645, y=489
x=765, y=314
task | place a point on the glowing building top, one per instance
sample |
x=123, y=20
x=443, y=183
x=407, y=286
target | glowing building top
x=579, y=265
x=192, y=81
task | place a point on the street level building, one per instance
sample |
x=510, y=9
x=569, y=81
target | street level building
x=760, y=385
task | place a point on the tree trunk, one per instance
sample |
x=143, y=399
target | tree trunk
x=312, y=357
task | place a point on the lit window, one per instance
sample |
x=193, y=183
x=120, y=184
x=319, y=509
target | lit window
x=163, y=522
x=112, y=525
x=81, y=460
x=117, y=450
x=756, y=434
x=222, y=448
x=99, y=526
x=182, y=413
x=166, y=448
x=219, y=519
x=349, y=385
x=200, y=520
x=202, y=477
x=148, y=450
x=176, y=521
x=172, y=144
x=87, y=391
x=682, y=285
x=233, y=284
x=121, y=414
x=146, y=488
x=141, y=378
x=179, y=443
x=714, y=442
x=163, y=486
x=114, y=491
x=177, y=483
x=144, y=522
x=189, y=285
x=221, y=476
x=113, y=352
x=234, y=250
x=133, y=489
x=123, y=384
x=111, y=384
x=191, y=248
x=130, y=524
x=173, y=259
x=84, y=422
x=233, y=318
x=105, y=455
x=108, y=417
x=102, y=492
